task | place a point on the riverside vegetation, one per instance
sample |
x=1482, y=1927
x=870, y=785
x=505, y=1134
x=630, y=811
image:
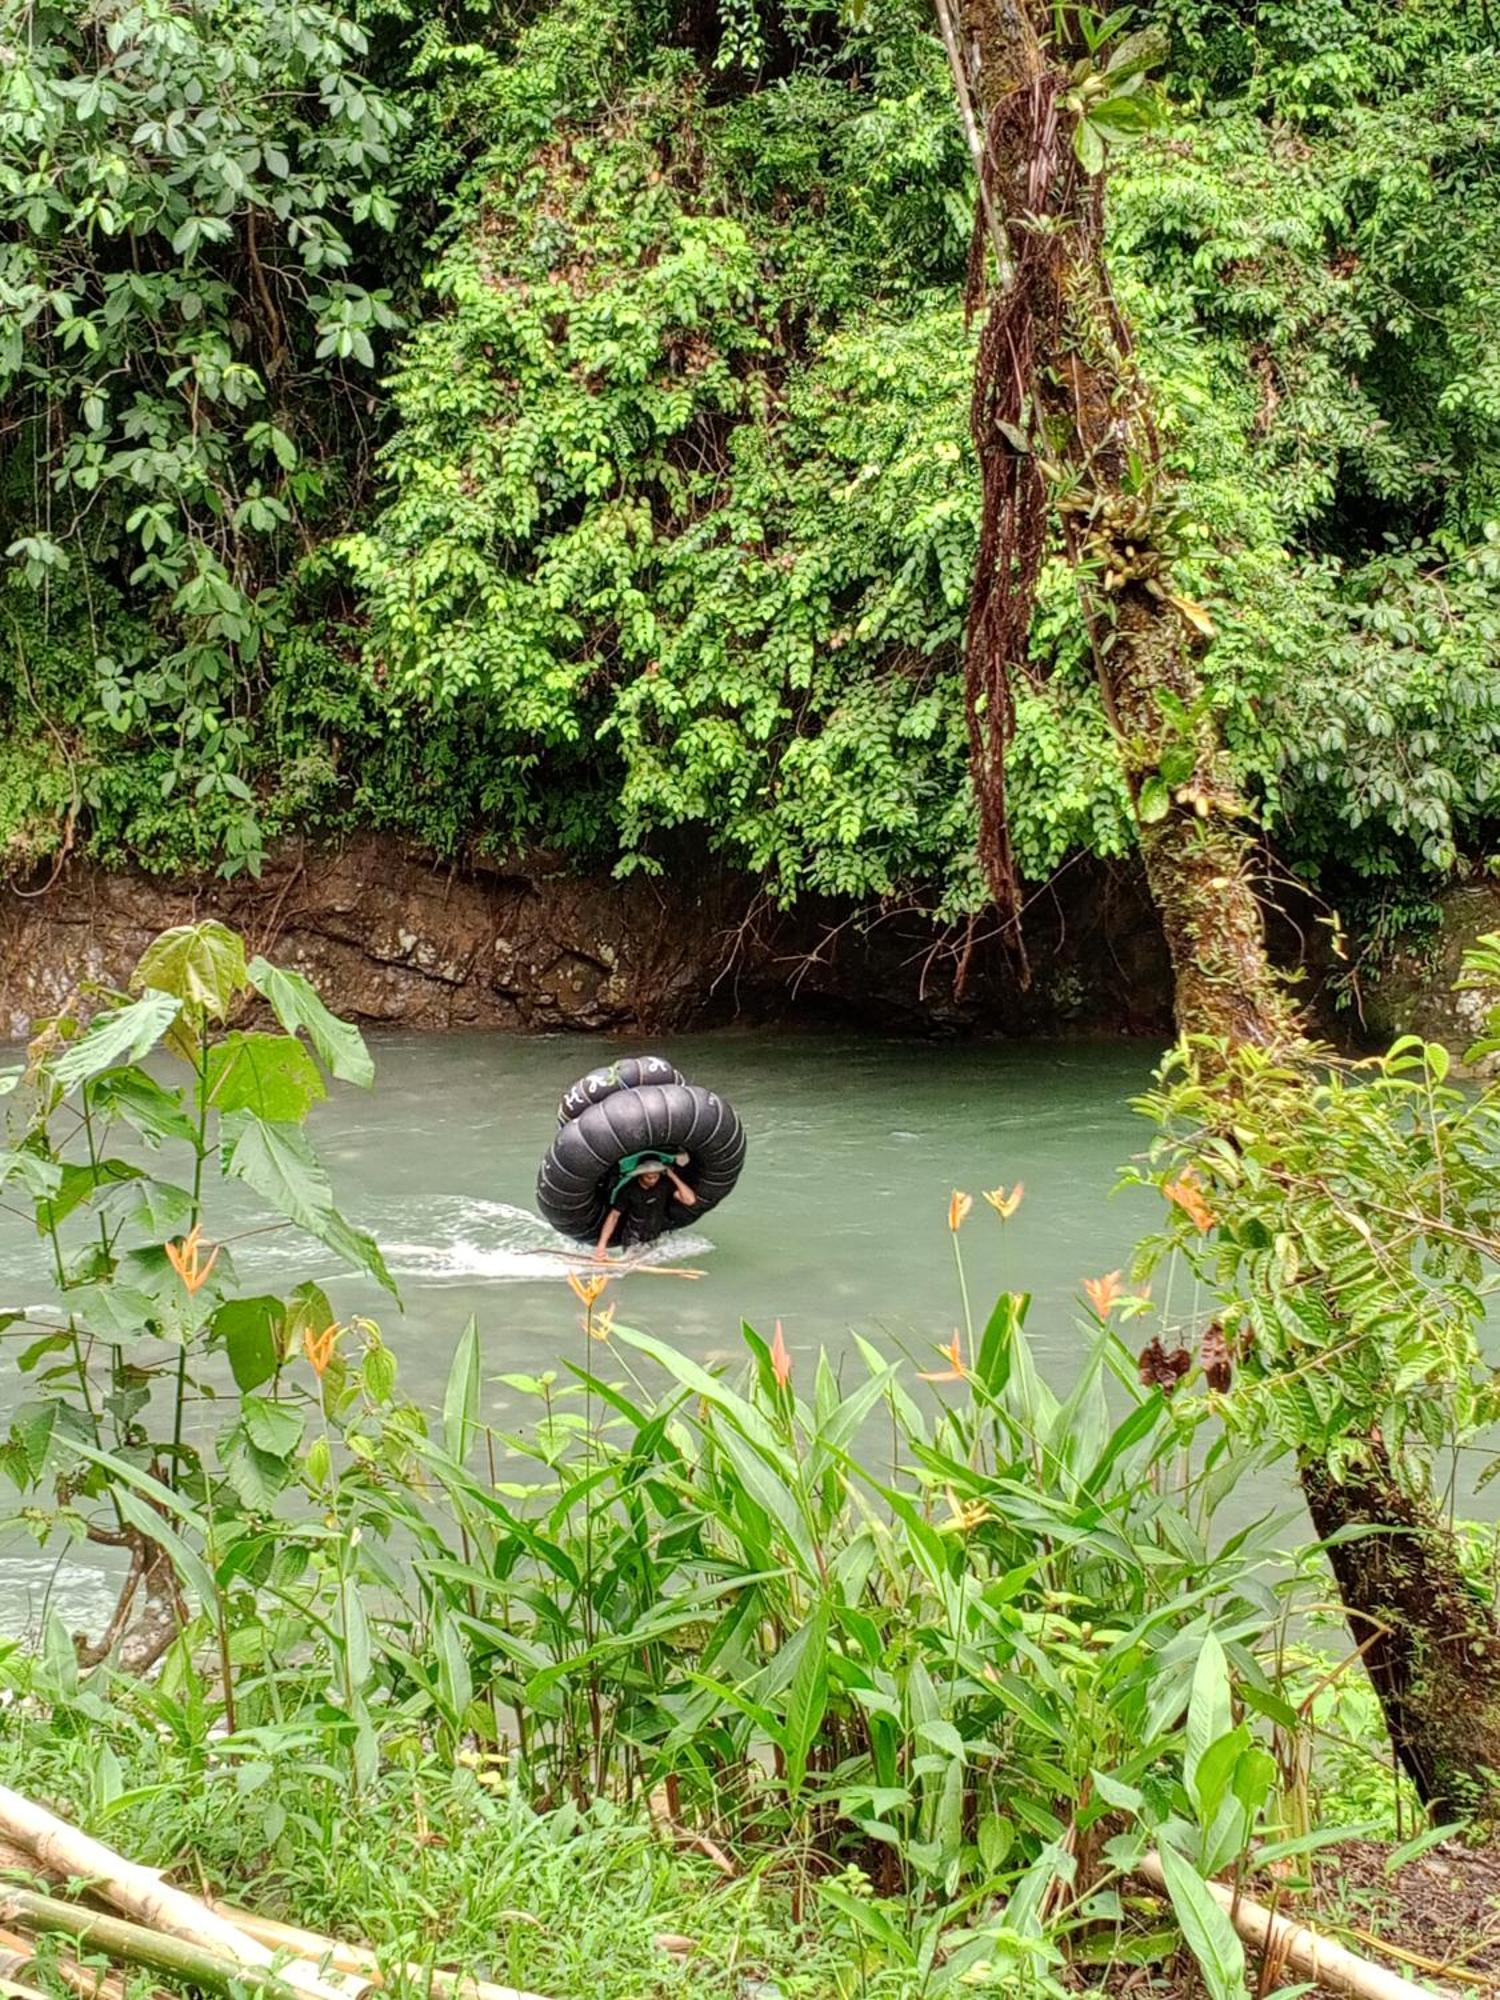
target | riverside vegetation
x=387, y=392
x=835, y=1679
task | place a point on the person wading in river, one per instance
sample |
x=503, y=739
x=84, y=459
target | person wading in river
x=640, y=1203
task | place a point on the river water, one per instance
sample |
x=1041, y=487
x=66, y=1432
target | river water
x=839, y=1221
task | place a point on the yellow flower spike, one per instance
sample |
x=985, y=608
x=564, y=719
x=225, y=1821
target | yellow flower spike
x=953, y=1353
x=1103, y=1294
x=1186, y=1192
x=1005, y=1205
x=185, y=1261
x=587, y=1289
x=781, y=1360
x=600, y=1325
x=958, y=1208
x=319, y=1347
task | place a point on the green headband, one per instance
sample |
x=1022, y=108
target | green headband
x=633, y=1161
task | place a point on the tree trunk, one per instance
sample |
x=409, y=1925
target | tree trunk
x=1063, y=427
x=1429, y=1637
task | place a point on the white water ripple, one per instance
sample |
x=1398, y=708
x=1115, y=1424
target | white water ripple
x=458, y=1239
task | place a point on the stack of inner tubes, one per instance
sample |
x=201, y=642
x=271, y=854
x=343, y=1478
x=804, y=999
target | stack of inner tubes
x=612, y=1117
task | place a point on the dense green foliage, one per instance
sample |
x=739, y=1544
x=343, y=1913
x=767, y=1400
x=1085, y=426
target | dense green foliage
x=654, y=525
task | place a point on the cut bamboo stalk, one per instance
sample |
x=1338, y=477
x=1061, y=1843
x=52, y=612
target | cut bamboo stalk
x=16, y=1955
x=1311, y=1956
x=359, y=1958
x=133, y=1944
x=141, y=1893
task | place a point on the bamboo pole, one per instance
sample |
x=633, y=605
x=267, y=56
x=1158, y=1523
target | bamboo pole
x=1312, y=1957
x=141, y=1893
x=16, y=1955
x=359, y=1958
x=133, y=1944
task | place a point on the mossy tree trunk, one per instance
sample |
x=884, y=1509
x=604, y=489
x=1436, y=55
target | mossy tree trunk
x=1063, y=426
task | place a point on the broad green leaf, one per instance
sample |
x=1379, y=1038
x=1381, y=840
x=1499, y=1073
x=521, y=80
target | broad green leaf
x=1088, y=144
x=271, y=1075
x=277, y=1162
x=461, y=1397
x=1143, y=50
x=1205, y=1927
x=356, y=1633
x=32, y=1426
x=1214, y=1772
x=258, y=1478
x=115, y=1312
x=202, y=964
x=296, y=1005
x=120, y=1034
x=307, y=1311
x=274, y=1428
x=453, y=1672
x=807, y=1698
x=251, y=1331
x=136, y=1097
x=379, y=1374
x=35, y=1172
x=1210, y=1714
x=155, y=1208
x=996, y=1343
x=1153, y=801
x=356, y=1248
x=77, y=1184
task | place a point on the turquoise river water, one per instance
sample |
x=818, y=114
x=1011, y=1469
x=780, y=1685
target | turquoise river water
x=839, y=1222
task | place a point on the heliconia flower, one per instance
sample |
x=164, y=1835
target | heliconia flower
x=1187, y=1193
x=953, y=1353
x=1005, y=1205
x=587, y=1289
x=963, y=1515
x=183, y=1257
x=958, y=1208
x=781, y=1360
x=1103, y=1294
x=319, y=1347
x=601, y=1325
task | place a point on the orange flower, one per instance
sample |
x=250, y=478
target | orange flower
x=319, y=1347
x=1187, y=1192
x=781, y=1360
x=1005, y=1205
x=183, y=1257
x=587, y=1289
x=1103, y=1294
x=958, y=1208
x=954, y=1354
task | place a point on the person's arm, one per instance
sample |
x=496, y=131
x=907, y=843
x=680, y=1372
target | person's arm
x=681, y=1189
x=611, y=1224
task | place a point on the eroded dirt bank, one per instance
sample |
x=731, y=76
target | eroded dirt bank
x=392, y=937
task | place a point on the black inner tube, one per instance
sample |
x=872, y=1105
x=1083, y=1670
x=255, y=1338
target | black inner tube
x=600, y=1083
x=581, y=1171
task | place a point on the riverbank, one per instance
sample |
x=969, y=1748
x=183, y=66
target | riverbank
x=396, y=938
x=393, y=937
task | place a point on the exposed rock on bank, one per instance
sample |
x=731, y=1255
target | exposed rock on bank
x=392, y=937
x=1416, y=993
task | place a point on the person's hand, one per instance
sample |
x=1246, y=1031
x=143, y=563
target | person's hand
x=601, y=1254
x=683, y=1158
